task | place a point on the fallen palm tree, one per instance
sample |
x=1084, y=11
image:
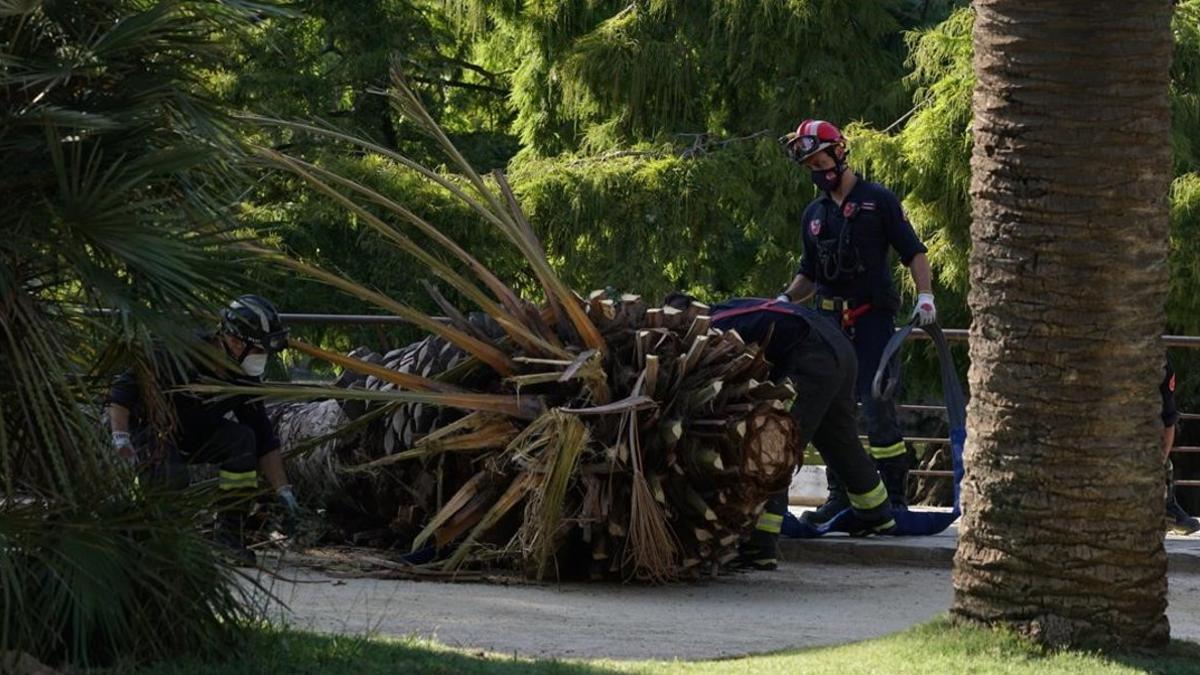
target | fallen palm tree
x=596, y=436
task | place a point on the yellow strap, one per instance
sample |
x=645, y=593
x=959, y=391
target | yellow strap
x=894, y=450
x=769, y=522
x=869, y=500
x=238, y=480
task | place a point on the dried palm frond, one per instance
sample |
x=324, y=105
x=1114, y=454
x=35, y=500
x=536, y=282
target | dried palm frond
x=641, y=441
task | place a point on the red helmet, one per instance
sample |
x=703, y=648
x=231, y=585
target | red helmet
x=811, y=137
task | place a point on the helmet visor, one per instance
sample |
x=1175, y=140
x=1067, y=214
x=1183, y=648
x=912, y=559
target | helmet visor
x=800, y=148
x=271, y=342
x=277, y=341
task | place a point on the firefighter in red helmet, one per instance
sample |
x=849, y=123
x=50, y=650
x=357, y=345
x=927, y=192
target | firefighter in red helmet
x=849, y=233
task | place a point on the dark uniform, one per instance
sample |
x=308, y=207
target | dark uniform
x=201, y=432
x=1170, y=417
x=1170, y=412
x=846, y=251
x=816, y=357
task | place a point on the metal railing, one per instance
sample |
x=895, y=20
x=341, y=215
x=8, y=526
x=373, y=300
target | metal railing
x=960, y=335
x=952, y=335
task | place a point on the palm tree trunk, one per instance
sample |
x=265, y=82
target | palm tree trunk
x=1062, y=533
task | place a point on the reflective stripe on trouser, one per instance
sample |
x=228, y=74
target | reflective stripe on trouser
x=873, y=506
x=238, y=480
x=869, y=500
x=888, y=451
x=765, y=536
x=771, y=522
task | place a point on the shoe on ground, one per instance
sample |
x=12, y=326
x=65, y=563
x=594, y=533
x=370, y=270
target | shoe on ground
x=756, y=558
x=867, y=529
x=231, y=547
x=1178, y=520
x=1188, y=525
x=836, y=503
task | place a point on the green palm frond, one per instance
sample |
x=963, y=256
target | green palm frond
x=115, y=183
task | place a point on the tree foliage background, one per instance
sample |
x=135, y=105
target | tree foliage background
x=641, y=136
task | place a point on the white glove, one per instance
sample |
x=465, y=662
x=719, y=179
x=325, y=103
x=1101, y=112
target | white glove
x=782, y=297
x=123, y=444
x=925, y=311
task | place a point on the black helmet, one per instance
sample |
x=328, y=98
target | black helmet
x=255, y=321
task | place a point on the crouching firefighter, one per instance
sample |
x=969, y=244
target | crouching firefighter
x=161, y=435
x=805, y=348
x=849, y=231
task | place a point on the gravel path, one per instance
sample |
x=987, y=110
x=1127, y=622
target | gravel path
x=800, y=605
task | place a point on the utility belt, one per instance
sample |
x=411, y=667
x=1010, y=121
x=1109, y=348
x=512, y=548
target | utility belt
x=849, y=310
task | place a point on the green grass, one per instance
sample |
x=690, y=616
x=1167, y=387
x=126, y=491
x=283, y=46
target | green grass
x=934, y=647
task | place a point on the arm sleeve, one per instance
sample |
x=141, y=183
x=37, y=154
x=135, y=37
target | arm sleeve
x=1170, y=413
x=808, y=252
x=899, y=232
x=254, y=415
x=124, y=391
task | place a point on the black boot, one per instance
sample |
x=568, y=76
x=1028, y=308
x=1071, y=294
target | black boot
x=894, y=472
x=230, y=541
x=761, y=550
x=866, y=525
x=1179, y=519
x=834, y=504
x=758, y=553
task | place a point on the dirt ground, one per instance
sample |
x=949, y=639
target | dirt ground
x=800, y=605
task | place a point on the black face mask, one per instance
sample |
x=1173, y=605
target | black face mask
x=827, y=180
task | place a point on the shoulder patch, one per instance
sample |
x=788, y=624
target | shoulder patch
x=814, y=226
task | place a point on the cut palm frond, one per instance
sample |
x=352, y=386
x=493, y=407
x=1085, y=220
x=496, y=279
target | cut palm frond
x=487, y=353
x=513, y=406
x=404, y=380
x=602, y=416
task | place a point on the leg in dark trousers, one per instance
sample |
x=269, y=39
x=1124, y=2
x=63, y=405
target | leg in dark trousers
x=885, y=442
x=823, y=376
x=1180, y=520
x=233, y=447
x=871, y=334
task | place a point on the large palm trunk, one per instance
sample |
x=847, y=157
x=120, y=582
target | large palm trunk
x=1063, y=498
